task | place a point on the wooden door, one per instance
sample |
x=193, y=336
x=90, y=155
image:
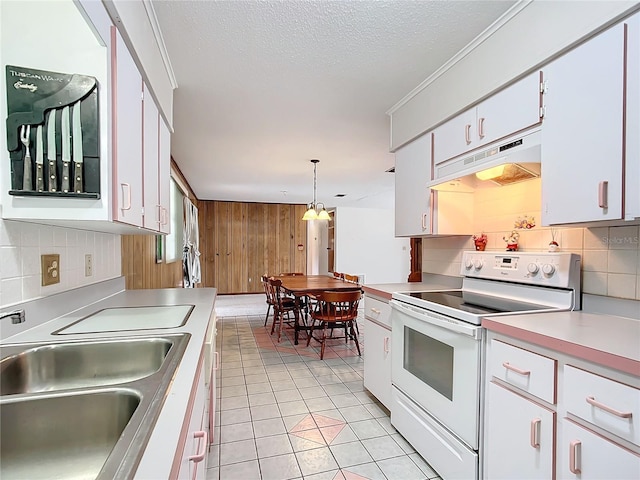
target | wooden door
x=331, y=243
x=222, y=239
x=240, y=242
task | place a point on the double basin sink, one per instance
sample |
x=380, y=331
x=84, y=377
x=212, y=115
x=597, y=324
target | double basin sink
x=82, y=409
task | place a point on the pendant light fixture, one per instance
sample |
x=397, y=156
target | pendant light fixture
x=314, y=211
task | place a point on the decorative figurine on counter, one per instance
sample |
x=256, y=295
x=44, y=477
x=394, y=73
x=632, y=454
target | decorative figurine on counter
x=553, y=245
x=512, y=241
x=480, y=241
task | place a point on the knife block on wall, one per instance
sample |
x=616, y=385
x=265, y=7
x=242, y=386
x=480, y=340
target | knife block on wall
x=31, y=96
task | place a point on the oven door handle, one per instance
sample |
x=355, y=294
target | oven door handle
x=438, y=320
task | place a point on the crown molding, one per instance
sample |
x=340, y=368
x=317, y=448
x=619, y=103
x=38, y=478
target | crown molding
x=157, y=33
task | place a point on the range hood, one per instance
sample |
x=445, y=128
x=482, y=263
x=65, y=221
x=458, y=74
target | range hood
x=514, y=160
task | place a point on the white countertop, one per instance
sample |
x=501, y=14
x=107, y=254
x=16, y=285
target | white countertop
x=604, y=339
x=161, y=448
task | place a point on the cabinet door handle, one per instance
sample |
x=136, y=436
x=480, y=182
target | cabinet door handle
x=535, y=429
x=375, y=310
x=592, y=401
x=216, y=356
x=508, y=366
x=128, y=196
x=386, y=344
x=467, y=133
x=603, y=194
x=165, y=216
x=432, y=200
x=159, y=214
x=481, y=127
x=573, y=457
x=424, y=221
x=200, y=456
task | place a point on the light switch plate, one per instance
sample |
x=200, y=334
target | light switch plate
x=50, y=269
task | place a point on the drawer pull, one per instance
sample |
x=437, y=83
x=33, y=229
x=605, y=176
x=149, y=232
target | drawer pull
x=573, y=454
x=386, y=345
x=535, y=428
x=602, y=406
x=508, y=366
x=200, y=456
x=375, y=310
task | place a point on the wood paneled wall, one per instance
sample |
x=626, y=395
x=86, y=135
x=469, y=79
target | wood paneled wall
x=139, y=265
x=239, y=242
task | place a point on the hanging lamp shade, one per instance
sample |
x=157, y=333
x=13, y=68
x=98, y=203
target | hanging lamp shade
x=323, y=214
x=310, y=214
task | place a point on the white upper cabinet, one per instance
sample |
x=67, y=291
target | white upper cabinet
x=509, y=111
x=151, y=151
x=164, y=176
x=421, y=210
x=93, y=47
x=413, y=172
x=156, y=167
x=126, y=92
x=583, y=134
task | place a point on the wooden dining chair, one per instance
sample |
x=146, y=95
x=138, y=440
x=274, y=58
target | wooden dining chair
x=351, y=278
x=335, y=310
x=283, y=306
x=270, y=299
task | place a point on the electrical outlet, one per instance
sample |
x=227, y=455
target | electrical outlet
x=50, y=269
x=88, y=265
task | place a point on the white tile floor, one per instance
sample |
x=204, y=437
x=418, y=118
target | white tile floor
x=282, y=413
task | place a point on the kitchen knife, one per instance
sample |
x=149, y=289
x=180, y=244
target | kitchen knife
x=66, y=150
x=39, y=160
x=76, y=126
x=51, y=151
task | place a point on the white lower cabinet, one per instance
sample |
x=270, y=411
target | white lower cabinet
x=587, y=430
x=193, y=464
x=377, y=358
x=377, y=364
x=586, y=455
x=520, y=436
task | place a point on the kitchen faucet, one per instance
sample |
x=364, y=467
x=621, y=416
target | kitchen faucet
x=17, y=316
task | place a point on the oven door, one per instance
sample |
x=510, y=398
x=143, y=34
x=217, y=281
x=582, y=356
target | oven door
x=436, y=361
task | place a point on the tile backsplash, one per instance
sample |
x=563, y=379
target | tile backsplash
x=21, y=245
x=610, y=255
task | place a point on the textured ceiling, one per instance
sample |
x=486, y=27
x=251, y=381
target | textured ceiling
x=265, y=86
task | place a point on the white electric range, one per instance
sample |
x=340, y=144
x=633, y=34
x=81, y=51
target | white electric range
x=438, y=348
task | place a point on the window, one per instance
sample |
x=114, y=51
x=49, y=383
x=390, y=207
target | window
x=175, y=240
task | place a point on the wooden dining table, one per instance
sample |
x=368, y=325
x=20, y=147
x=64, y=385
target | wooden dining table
x=303, y=286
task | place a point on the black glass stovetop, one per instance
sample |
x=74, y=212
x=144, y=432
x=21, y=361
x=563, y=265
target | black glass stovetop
x=475, y=303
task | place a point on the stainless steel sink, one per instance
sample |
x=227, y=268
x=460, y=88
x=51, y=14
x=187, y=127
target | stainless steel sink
x=82, y=409
x=83, y=364
x=67, y=436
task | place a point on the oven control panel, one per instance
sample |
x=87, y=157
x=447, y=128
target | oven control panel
x=557, y=269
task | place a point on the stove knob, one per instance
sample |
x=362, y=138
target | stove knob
x=468, y=264
x=478, y=264
x=533, y=268
x=548, y=269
